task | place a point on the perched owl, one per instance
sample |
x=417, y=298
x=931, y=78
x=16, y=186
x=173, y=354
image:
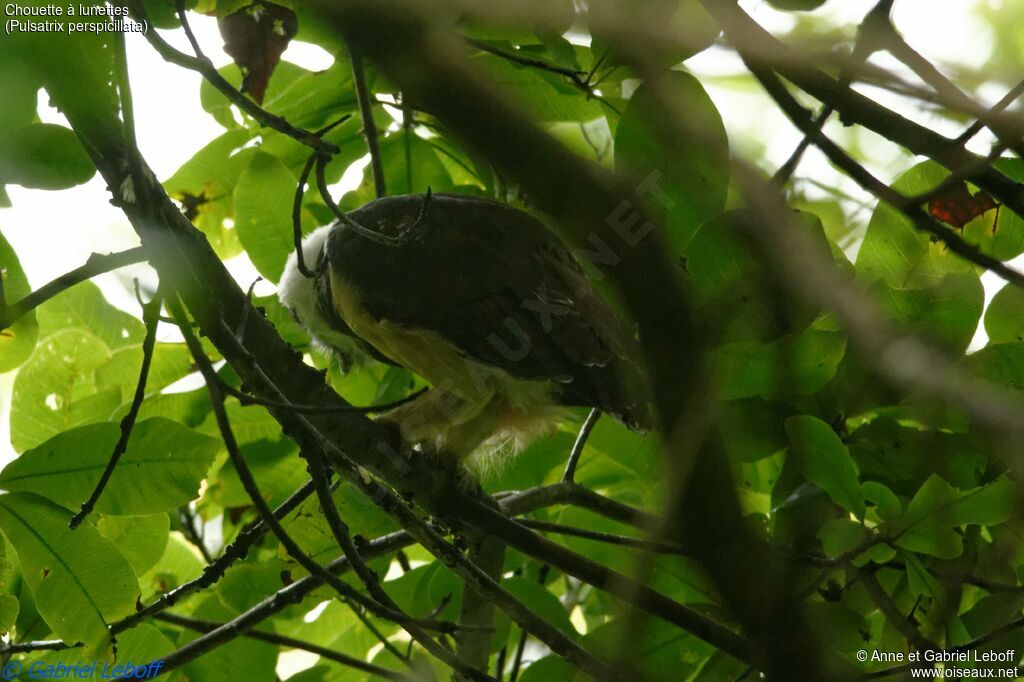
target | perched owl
x=482, y=301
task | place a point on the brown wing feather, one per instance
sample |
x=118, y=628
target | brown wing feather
x=497, y=284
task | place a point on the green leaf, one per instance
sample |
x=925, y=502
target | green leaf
x=54, y=389
x=840, y=535
x=542, y=602
x=208, y=180
x=161, y=469
x=20, y=85
x=83, y=306
x=887, y=505
x=825, y=461
x=690, y=25
x=43, y=156
x=171, y=361
x=18, y=340
x=725, y=275
x=138, y=646
x=1004, y=319
x=682, y=179
x=245, y=585
x=902, y=456
x=947, y=313
x=180, y=563
x=142, y=539
x=937, y=508
x=749, y=368
x=547, y=97
x=1000, y=363
x=309, y=528
x=239, y=659
x=79, y=579
x=896, y=252
x=9, y=607
x=412, y=174
x=263, y=200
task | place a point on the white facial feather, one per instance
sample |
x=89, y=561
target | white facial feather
x=298, y=293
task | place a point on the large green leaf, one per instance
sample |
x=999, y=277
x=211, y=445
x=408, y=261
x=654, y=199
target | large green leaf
x=689, y=24
x=683, y=179
x=546, y=96
x=238, y=659
x=825, y=461
x=79, y=579
x=902, y=456
x=161, y=469
x=309, y=527
x=137, y=647
x=794, y=365
x=142, y=539
x=1004, y=319
x=20, y=85
x=83, y=306
x=55, y=389
x=903, y=256
x=208, y=181
x=542, y=602
x=1000, y=363
x=727, y=278
x=18, y=340
x=928, y=524
x=946, y=312
x=43, y=156
x=263, y=200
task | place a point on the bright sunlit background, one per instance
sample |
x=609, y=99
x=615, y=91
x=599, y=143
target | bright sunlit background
x=53, y=232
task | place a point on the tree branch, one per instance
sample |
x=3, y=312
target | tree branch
x=206, y=627
x=96, y=264
x=767, y=51
x=369, y=126
x=412, y=625
x=202, y=65
x=581, y=441
x=150, y=316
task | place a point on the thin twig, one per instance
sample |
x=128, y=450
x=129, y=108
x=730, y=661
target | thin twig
x=369, y=126
x=609, y=538
x=801, y=118
x=150, y=313
x=445, y=551
x=96, y=264
x=248, y=399
x=252, y=488
x=214, y=571
x=863, y=48
x=892, y=613
x=202, y=65
x=205, y=626
x=581, y=441
x=318, y=473
x=1009, y=98
x=188, y=525
x=300, y=192
x=580, y=79
x=325, y=193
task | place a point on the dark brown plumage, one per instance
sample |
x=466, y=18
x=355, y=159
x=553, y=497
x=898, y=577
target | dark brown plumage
x=481, y=298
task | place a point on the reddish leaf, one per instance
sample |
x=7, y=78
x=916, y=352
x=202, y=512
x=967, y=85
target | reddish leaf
x=957, y=206
x=255, y=36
